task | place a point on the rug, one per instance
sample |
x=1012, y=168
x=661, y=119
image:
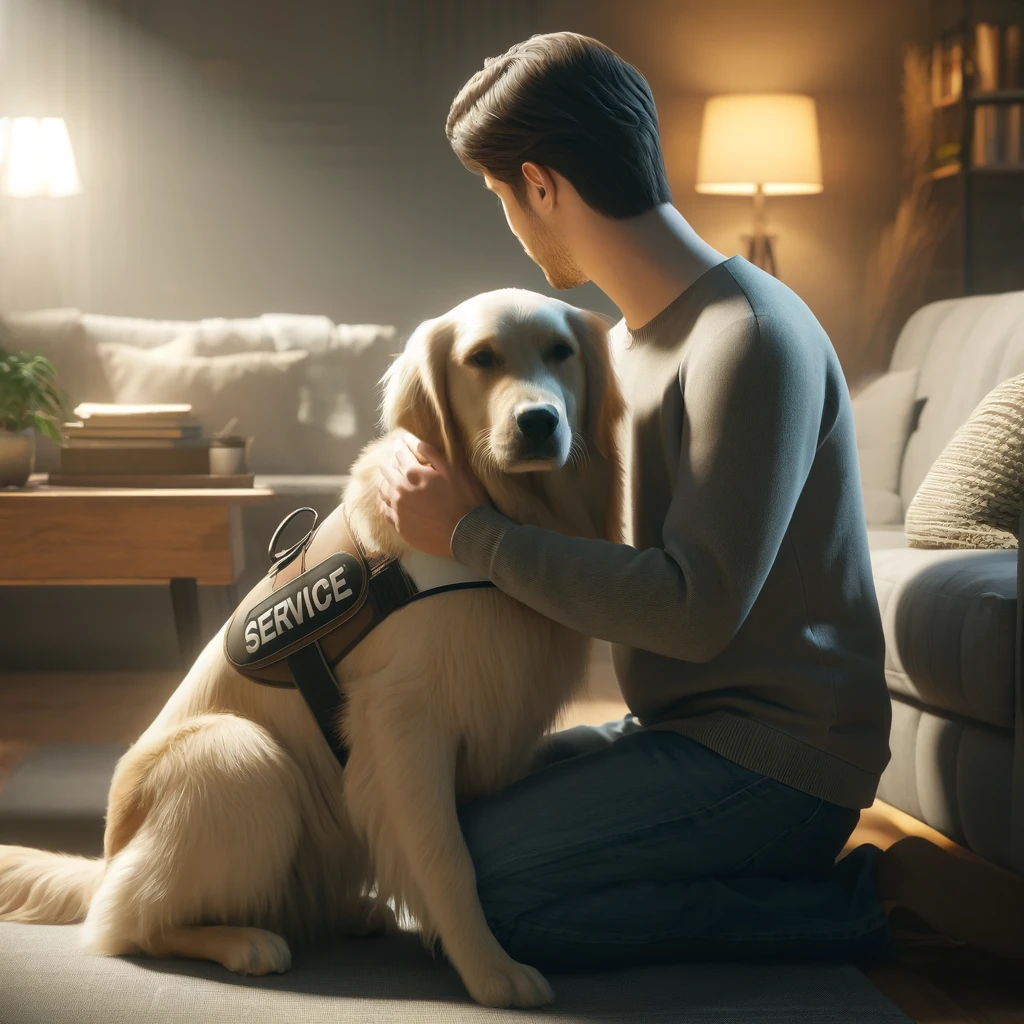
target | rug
x=59, y=792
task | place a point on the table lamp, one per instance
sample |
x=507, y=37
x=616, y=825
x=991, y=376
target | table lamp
x=36, y=158
x=759, y=144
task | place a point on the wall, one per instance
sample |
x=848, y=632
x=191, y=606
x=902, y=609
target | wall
x=289, y=154
x=845, y=55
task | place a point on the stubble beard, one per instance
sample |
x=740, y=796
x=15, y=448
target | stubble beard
x=553, y=257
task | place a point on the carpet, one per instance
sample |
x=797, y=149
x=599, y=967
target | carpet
x=58, y=793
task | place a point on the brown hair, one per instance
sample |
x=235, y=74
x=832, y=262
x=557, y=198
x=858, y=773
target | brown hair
x=566, y=102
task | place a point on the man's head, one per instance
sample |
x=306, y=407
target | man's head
x=554, y=111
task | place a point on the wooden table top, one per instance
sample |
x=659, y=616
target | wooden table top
x=37, y=490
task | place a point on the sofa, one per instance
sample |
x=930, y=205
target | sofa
x=304, y=387
x=952, y=619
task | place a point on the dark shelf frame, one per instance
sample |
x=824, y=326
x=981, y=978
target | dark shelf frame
x=962, y=29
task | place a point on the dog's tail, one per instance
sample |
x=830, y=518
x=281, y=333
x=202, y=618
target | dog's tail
x=39, y=887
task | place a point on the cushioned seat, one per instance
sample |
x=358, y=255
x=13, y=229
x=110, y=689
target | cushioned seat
x=950, y=629
x=881, y=537
x=955, y=774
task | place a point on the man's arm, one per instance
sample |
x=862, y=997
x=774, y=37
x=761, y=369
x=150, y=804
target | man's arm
x=753, y=402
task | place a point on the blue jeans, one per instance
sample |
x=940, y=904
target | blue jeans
x=629, y=846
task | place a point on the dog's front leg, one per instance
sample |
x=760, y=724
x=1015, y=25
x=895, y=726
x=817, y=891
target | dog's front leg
x=414, y=765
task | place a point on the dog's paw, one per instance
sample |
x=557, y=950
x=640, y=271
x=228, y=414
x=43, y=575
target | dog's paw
x=510, y=985
x=256, y=951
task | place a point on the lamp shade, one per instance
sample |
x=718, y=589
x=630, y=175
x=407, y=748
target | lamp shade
x=766, y=139
x=36, y=158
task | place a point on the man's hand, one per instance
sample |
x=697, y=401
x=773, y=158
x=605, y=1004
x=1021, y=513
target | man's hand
x=424, y=496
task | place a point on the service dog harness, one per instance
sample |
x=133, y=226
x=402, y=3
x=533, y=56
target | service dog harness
x=320, y=598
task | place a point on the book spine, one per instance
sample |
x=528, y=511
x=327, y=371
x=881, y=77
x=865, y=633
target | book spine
x=77, y=441
x=986, y=69
x=1012, y=143
x=984, y=145
x=193, y=460
x=1011, y=53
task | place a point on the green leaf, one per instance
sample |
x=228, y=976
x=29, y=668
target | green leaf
x=29, y=393
x=47, y=427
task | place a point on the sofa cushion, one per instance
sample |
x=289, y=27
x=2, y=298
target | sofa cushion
x=59, y=335
x=219, y=337
x=882, y=537
x=962, y=349
x=883, y=414
x=973, y=495
x=883, y=508
x=260, y=390
x=955, y=775
x=950, y=629
x=128, y=330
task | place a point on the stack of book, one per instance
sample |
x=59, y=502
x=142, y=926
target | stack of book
x=137, y=445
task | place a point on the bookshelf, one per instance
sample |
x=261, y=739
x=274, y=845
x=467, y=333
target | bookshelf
x=977, y=78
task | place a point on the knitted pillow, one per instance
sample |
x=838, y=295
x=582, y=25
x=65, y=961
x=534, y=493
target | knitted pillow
x=973, y=494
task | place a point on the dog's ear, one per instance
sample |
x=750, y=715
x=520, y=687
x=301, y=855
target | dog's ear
x=416, y=387
x=604, y=403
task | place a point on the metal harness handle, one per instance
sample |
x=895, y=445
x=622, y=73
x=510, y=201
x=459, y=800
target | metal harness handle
x=279, y=559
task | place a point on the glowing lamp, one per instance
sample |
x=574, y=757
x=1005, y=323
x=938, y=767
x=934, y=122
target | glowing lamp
x=759, y=144
x=36, y=158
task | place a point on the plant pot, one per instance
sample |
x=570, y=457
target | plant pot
x=17, y=456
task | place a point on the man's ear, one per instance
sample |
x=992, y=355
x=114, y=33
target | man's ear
x=542, y=182
x=416, y=387
x=604, y=403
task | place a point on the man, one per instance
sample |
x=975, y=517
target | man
x=746, y=634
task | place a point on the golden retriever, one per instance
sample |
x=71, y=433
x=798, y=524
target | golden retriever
x=233, y=832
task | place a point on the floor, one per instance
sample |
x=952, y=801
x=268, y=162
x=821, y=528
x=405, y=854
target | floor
x=933, y=980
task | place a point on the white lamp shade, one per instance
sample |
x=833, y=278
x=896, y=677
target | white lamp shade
x=766, y=139
x=36, y=158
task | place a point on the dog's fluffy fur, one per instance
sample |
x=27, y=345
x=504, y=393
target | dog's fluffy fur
x=232, y=831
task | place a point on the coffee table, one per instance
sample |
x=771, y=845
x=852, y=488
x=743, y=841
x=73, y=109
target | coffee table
x=74, y=536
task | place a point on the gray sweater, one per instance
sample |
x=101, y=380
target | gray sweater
x=742, y=611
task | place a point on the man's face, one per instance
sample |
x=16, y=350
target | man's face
x=541, y=244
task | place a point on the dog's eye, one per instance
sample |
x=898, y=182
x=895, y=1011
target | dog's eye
x=483, y=358
x=560, y=351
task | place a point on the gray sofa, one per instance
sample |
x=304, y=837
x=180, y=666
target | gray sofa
x=952, y=618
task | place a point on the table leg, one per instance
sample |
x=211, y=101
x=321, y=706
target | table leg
x=185, y=602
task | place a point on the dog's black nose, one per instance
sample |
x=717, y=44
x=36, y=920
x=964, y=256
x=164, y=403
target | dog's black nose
x=538, y=422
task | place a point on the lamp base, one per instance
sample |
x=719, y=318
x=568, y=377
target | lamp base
x=760, y=251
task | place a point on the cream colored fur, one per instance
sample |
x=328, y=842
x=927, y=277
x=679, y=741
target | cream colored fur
x=232, y=832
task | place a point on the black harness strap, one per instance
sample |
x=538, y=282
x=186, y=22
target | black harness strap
x=319, y=689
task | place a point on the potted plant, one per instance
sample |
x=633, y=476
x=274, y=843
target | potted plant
x=29, y=401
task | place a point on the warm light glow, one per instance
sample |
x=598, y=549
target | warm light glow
x=36, y=158
x=769, y=140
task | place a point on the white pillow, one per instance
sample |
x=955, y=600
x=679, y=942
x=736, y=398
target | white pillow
x=884, y=414
x=260, y=390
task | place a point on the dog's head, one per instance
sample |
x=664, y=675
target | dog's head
x=521, y=382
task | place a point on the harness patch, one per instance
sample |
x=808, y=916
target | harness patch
x=308, y=604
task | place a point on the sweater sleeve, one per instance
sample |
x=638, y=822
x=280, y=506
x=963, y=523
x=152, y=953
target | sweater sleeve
x=753, y=398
